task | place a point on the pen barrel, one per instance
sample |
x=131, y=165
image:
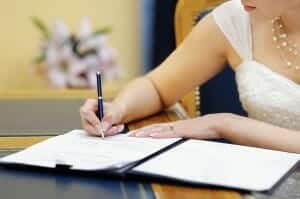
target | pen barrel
x=99, y=85
x=100, y=108
x=100, y=99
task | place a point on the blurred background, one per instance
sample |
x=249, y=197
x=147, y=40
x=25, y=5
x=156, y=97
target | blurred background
x=51, y=49
x=140, y=37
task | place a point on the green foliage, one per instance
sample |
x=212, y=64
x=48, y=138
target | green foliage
x=41, y=26
x=101, y=31
x=40, y=58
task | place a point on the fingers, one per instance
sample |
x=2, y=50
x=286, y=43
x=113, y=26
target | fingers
x=90, y=104
x=88, y=115
x=156, y=131
x=87, y=111
x=164, y=134
x=115, y=130
x=89, y=119
x=113, y=114
x=147, y=131
x=107, y=122
x=93, y=125
x=91, y=130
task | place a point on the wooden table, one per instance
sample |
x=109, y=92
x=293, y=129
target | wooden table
x=161, y=191
x=288, y=190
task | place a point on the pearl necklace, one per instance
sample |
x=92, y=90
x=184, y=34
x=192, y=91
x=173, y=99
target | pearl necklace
x=288, y=51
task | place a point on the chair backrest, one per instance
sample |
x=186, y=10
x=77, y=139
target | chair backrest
x=220, y=93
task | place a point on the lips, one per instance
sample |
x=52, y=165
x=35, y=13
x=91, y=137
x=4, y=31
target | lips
x=249, y=8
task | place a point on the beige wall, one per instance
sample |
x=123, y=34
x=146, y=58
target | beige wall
x=19, y=39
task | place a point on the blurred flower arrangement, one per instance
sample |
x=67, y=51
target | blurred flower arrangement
x=71, y=61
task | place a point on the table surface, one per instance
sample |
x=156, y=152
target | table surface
x=67, y=186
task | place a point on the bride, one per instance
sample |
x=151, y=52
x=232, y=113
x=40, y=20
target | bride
x=260, y=39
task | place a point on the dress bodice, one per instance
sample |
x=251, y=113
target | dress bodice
x=265, y=95
x=268, y=96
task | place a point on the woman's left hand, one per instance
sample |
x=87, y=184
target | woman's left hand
x=205, y=127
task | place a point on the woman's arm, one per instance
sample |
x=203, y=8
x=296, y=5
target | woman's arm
x=201, y=56
x=246, y=131
x=234, y=128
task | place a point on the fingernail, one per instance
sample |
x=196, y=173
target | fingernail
x=153, y=135
x=105, y=126
x=99, y=129
x=140, y=134
x=131, y=133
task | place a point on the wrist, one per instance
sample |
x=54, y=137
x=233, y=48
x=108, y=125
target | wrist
x=223, y=123
x=120, y=111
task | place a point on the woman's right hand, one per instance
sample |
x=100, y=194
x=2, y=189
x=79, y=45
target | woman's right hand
x=110, y=124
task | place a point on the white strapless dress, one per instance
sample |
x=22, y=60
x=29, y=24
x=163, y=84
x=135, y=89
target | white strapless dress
x=266, y=95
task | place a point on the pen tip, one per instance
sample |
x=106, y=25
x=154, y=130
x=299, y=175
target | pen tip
x=98, y=73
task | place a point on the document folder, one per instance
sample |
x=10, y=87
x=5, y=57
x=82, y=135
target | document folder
x=194, y=162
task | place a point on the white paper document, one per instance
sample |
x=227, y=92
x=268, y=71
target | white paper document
x=84, y=152
x=226, y=165
x=193, y=161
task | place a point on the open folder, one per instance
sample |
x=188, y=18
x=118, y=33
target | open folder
x=193, y=162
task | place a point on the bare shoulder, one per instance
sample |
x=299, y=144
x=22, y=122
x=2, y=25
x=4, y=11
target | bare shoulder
x=214, y=37
x=208, y=30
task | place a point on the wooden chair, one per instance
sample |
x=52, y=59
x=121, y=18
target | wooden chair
x=222, y=88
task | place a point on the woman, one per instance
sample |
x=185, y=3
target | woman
x=260, y=39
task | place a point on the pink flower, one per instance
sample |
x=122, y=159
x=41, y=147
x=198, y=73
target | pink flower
x=73, y=62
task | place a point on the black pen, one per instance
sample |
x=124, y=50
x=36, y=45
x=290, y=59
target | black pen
x=100, y=99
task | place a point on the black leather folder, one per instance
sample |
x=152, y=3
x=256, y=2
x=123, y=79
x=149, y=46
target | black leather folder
x=192, y=162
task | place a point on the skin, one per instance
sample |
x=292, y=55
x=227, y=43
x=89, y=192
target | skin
x=162, y=87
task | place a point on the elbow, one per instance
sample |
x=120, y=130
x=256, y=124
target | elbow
x=165, y=101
